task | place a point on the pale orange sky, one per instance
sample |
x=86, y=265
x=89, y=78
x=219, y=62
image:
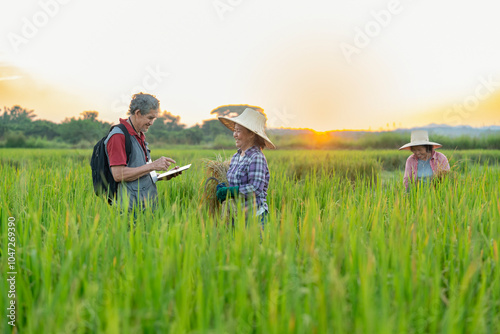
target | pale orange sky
x=425, y=62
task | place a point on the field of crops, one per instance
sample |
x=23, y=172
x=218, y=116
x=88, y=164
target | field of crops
x=345, y=250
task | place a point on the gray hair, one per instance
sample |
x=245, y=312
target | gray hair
x=428, y=148
x=260, y=142
x=144, y=102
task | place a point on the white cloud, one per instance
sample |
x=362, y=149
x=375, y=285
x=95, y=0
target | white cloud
x=14, y=77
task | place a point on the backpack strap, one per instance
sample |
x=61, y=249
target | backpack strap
x=128, y=142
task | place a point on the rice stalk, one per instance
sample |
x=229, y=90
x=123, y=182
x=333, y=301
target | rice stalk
x=216, y=173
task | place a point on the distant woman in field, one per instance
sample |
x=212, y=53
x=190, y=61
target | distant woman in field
x=248, y=174
x=425, y=163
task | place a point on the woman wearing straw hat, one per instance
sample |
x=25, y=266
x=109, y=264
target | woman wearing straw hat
x=248, y=174
x=425, y=162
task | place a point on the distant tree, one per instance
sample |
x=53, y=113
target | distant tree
x=232, y=110
x=193, y=135
x=211, y=128
x=16, y=119
x=166, y=129
x=18, y=114
x=4, y=124
x=44, y=129
x=92, y=115
x=73, y=130
x=172, y=122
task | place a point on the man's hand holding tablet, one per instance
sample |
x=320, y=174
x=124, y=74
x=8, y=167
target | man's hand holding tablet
x=172, y=173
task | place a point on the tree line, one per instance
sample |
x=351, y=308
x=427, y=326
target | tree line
x=19, y=128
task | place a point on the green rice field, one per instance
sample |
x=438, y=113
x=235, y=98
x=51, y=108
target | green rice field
x=345, y=249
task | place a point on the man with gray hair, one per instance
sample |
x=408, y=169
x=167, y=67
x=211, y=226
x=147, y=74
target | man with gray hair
x=136, y=174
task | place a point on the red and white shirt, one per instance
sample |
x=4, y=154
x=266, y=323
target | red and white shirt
x=116, y=145
x=438, y=162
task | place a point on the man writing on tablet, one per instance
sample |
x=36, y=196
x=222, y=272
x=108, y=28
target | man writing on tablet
x=136, y=174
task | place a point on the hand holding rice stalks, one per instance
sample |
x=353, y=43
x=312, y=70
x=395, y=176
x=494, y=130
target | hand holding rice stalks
x=450, y=174
x=216, y=172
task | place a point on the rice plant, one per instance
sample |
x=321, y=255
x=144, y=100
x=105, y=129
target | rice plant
x=341, y=252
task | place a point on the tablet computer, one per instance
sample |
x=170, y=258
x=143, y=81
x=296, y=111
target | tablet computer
x=173, y=171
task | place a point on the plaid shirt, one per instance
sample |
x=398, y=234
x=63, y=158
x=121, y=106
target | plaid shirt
x=438, y=162
x=251, y=174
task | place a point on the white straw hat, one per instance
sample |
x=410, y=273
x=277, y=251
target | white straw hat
x=420, y=137
x=252, y=120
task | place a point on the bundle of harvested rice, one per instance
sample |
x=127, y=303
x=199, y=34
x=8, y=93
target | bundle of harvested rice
x=216, y=172
x=440, y=175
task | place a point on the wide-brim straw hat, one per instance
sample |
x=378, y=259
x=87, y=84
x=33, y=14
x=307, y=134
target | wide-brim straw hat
x=418, y=138
x=253, y=121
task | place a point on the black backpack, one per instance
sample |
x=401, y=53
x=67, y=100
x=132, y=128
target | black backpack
x=104, y=183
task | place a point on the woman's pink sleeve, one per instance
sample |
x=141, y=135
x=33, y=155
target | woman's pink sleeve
x=408, y=172
x=444, y=163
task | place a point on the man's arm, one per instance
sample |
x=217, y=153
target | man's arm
x=118, y=159
x=127, y=174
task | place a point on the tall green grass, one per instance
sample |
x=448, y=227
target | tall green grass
x=359, y=256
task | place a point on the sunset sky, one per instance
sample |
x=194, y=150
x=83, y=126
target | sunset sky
x=324, y=65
